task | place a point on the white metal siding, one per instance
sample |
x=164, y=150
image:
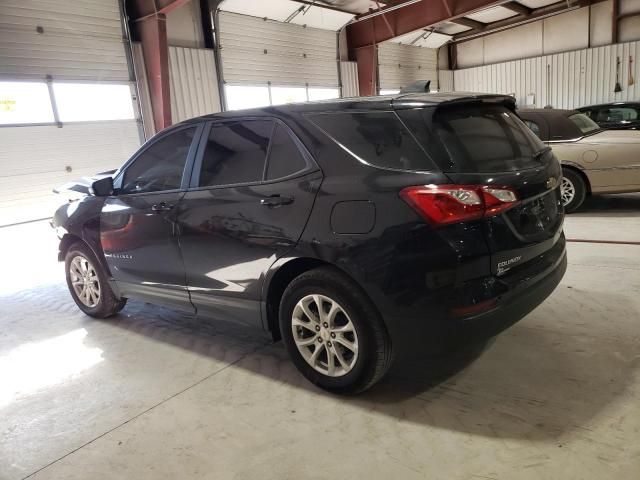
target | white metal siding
x=578, y=78
x=194, y=86
x=349, y=77
x=256, y=51
x=81, y=40
x=401, y=65
x=35, y=159
x=445, y=81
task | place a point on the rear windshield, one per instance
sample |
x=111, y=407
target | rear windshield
x=474, y=138
x=584, y=123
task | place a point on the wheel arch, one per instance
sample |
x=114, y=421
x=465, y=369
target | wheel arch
x=280, y=276
x=580, y=172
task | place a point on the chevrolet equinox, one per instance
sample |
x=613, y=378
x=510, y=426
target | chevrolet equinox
x=355, y=230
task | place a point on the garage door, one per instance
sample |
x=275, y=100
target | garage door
x=265, y=62
x=66, y=100
x=401, y=65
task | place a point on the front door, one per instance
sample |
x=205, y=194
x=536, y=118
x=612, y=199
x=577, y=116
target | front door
x=244, y=212
x=138, y=229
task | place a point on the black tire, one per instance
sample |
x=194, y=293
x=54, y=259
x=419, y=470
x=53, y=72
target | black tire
x=374, y=345
x=579, y=188
x=108, y=304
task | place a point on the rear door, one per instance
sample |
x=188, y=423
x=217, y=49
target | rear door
x=252, y=191
x=484, y=144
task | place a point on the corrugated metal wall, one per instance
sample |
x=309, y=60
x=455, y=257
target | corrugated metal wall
x=194, y=86
x=349, y=77
x=445, y=80
x=79, y=40
x=256, y=51
x=401, y=65
x=35, y=159
x=574, y=79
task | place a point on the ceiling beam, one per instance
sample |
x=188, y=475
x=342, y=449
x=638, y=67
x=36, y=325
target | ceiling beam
x=521, y=19
x=517, y=8
x=373, y=29
x=469, y=22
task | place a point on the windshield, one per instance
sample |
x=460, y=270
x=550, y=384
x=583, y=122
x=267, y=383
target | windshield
x=584, y=123
x=474, y=138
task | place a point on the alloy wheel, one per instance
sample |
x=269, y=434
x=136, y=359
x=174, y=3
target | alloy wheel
x=325, y=335
x=568, y=191
x=85, y=281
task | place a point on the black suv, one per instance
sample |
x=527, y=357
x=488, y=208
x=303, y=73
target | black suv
x=355, y=229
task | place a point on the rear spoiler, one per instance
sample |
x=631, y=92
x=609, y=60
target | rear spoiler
x=416, y=100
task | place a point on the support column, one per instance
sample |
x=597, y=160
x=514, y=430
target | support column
x=367, y=59
x=153, y=36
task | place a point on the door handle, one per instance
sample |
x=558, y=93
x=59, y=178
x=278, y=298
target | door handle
x=162, y=207
x=276, y=201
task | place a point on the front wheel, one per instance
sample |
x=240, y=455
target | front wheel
x=332, y=332
x=573, y=190
x=88, y=283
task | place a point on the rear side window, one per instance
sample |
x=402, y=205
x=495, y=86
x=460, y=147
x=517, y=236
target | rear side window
x=474, y=138
x=376, y=138
x=284, y=156
x=235, y=153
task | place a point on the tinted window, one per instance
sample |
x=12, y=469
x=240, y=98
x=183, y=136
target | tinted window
x=616, y=114
x=535, y=128
x=377, y=138
x=235, y=153
x=584, y=123
x=159, y=167
x=284, y=157
x=474, y=138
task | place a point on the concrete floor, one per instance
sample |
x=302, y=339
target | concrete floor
x=155, y=394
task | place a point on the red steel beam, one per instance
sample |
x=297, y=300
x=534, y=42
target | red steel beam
x=153, y=37
x=409, y=18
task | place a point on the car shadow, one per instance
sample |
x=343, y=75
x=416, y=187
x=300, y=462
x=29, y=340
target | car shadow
x=530, y=382
x=619, y=205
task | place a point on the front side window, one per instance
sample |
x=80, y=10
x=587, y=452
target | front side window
x=161, y=166
x=584, y=123
x=236, y=153
x=617, y=114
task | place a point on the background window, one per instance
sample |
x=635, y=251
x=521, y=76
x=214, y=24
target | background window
x=282, y=95
x=389, y=92
x=25, y=102
x=533, y=126
x=161, y=166
x=241, y=96
x=284, y=157
x=78, y=102
x=323, y=93
x=235, y=153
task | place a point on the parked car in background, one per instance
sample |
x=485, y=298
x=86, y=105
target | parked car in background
x=617, y=115
x=594, y=160
x=355, y=230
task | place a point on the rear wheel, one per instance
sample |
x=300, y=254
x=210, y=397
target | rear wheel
x=332, y=333
x=573, y=190
x=88, y=283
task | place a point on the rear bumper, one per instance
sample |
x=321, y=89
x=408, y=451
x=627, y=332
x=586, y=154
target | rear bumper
x=513, y=297
x=511, y=308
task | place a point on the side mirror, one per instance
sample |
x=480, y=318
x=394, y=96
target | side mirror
x=102, y=187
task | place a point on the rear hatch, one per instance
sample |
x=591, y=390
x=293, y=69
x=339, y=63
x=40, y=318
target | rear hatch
x=481, y=143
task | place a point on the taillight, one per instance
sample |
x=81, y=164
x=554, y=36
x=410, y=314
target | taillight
x=446, y=204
